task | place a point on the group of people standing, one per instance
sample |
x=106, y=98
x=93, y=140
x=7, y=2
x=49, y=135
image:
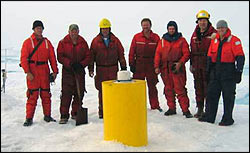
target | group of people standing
x=216, y=61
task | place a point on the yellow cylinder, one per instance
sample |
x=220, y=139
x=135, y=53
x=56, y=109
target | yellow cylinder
x=125, y=112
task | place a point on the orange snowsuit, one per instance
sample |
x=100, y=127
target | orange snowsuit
x=38, y=66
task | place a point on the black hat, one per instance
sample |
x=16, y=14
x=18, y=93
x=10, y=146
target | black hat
x=37, y=23
x=173, y=23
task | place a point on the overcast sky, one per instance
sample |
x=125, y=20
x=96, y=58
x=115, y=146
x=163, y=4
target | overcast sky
x=125, y=16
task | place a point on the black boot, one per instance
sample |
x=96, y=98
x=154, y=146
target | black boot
x=205, y=119
x=64, y=119
x=200, y=111
x=159, y=109
x=170, y=112
x=202, y=119
x=225, y=122
x=188, y=114
x=48, y=119
x=28, y=122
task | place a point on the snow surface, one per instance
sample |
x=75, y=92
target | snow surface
x=174, y=133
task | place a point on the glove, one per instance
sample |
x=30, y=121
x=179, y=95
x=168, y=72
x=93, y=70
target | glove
x=124, y=68
x=132, y=68
x=76, y=67
x=173, y=68
x=51, y=78
x=238, y=77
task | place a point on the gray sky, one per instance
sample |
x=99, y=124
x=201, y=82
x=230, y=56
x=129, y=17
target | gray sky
x=125, y=16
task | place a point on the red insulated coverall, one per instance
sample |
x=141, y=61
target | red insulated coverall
x=198, y=60
x=230, y=49
x=141, y=55
x=40, y=69
x=166, y=54
x=67, y=54
x=106, y=60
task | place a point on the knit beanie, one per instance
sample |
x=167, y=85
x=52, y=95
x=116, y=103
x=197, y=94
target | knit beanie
x=221, y=23
x=73, y=27
x=37, y=23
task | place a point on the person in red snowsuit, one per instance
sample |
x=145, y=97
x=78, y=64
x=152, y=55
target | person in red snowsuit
x=141, y=60
x=200, y=42
x=171, y=55
x=74, y=54
x=225, y=63
x=37, y=70
x=107, y=51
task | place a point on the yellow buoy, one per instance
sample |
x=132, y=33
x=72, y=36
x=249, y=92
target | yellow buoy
x=125, y=112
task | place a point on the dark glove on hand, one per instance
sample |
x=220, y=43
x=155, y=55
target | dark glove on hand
x=124, y=68
x=51, y=78
x=238, y=77
x=132, y=68
x=76, y=67
x=173, y=68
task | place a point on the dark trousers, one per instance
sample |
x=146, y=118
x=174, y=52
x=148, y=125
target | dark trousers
x=215, y=87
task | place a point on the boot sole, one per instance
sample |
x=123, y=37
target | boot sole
x=170, y=114
x=27, y=124
x=63, y=122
